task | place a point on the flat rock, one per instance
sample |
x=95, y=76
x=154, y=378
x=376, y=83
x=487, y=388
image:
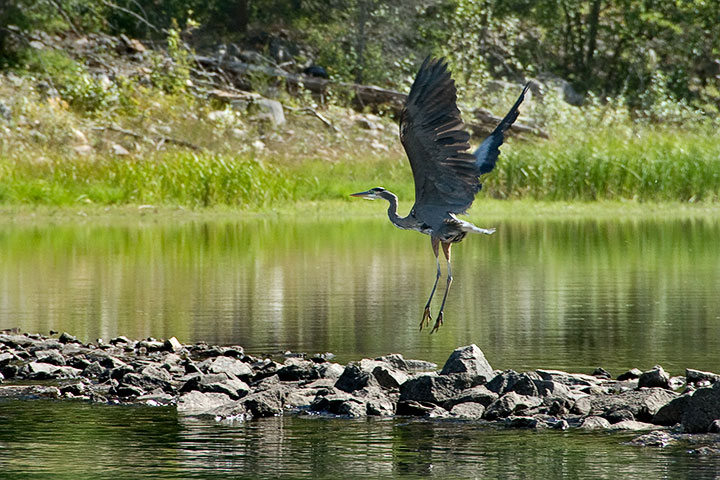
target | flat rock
x=298, y=369
x=229, y=365
x=657, y=439
x=632, y=425
x=199, y=403
x=468, y=410
x=643, y=404
x=569, y=379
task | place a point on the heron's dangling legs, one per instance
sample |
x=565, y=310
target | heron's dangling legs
x=426, y=314
x=439, y=319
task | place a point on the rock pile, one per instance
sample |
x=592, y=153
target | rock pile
x=226, y=383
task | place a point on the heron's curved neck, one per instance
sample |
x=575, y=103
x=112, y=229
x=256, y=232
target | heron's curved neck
x=397, y=220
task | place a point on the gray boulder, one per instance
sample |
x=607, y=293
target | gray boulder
x=632, y=425
x=354, y=377
x=631, y=374
x=229, y=365
x=510, y=404
x=437, y=389
x=594, y=423
x=267, y=403
x=655, y=377
x=672, y=412
x=503, y=382
x=231, y=386
x=470, y=360
x=569, y=379
x=702, y=409
x=643, y=404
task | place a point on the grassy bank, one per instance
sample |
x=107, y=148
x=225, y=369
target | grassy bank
x=650, y=165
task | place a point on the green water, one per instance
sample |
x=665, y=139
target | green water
x=76, y=440
x=572, y=294
x=568, y=294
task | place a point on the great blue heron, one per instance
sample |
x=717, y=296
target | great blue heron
x=446, y=174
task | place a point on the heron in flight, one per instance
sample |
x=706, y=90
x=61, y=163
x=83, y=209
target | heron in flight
x=446, y=173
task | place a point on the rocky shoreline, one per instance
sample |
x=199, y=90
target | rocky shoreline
x=226, y=384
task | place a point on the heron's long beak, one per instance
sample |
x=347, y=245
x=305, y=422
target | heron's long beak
x=361, y=194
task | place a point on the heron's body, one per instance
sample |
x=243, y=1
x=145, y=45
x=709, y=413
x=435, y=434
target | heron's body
x=446, y=173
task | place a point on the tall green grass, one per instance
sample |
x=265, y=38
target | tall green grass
x=603, y=164
x=171, y=178
x=649, y=165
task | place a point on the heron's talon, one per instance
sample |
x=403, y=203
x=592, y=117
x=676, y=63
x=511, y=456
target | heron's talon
x=426, y=318
x=438, y=323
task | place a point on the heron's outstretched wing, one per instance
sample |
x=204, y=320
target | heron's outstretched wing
x=487, y=153
x=436, y=142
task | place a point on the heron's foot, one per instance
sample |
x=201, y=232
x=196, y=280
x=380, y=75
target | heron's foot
x=438, y=323
x=425, y=318
x=487, y=231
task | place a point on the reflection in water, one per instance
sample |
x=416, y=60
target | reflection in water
x=43, y=439
x=571, y=294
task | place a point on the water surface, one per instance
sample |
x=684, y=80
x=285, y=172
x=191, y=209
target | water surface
x=572, y=294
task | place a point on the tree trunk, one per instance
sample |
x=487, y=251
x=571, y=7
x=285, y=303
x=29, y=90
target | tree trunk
x=593, y=21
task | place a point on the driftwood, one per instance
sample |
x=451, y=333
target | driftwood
x=160, y=138
x=365, y=94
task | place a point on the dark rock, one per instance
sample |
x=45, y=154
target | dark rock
x=266, y=403
x=150, y=345
x=67, y=338
x=630, y=375
x=437, y=389
x=468, y=410
x=172, y=345
x=503, y=382
x=388, y=377
x=594, y=423
x=601, y=373
x=199, y=403
x=643, y=403
x=702, y=409
x=265, y=368
x=217, y=383
x=523, y=422
x=479, y=394
x=561, y=425
x=691, y=376
x=509, y=404
x=413, y=408
x=148, y=379
x=96, y=371
x=714, y=426
x=379, y=404
x=620, y=415
x=656, y=377
x=355, y=378
x=52, y=357
x=129, y=391
x=470, y=360
x=298, y=369
x=122, y=340
x=671, y=413
x=75, y=389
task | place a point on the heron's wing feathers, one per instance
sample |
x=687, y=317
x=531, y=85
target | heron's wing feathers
x=487, y=153
x=434, y=137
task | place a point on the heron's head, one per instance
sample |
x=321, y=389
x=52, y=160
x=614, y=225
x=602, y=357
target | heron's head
x=372, y=194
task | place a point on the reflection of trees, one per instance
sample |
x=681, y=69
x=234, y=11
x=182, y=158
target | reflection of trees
x=565, y=294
